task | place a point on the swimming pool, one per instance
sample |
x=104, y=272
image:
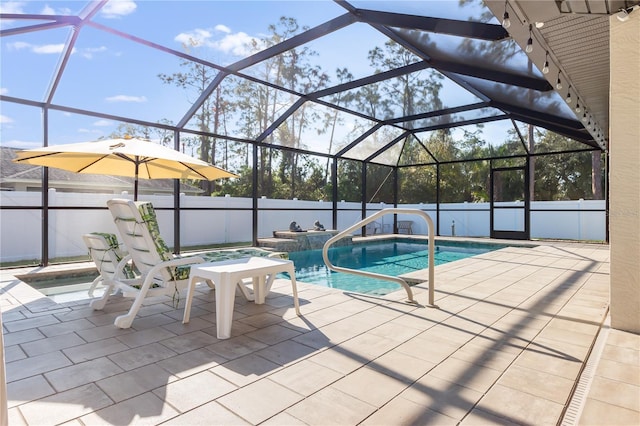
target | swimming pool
x=394, y=257
x=389, y=257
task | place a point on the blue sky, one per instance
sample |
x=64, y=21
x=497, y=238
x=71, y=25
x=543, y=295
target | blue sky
x=111, y=74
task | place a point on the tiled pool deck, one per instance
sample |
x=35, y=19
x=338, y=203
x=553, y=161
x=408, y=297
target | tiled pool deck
x=508, y=344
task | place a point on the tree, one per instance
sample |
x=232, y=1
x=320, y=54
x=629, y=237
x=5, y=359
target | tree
x=401, y=96
x=562, y=176
x=210, y=117
x=349, y=180
x=279, y=173
x=331, y=120
x=407, y=94
x=596, y=175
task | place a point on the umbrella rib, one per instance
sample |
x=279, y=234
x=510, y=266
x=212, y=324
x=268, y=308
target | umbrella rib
x=145, y=163
x=18, y=160
x=145, y=160
x=194, y=170
x=49, y=154
x=125, y=157
x=91, y=164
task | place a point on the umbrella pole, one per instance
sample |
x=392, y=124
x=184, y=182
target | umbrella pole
x=135, y=183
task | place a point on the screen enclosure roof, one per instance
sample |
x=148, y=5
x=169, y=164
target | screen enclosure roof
x=350, y=61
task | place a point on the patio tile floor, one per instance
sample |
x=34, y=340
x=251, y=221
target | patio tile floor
x=515, y=332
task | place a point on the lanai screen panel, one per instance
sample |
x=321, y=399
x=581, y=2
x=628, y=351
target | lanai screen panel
x=568, y=177
x=415, y=152
x=418, y=184
x=340, y=56
x=117, y=76
x=471, y=142
x=405, y=95
x=226, y=153
x=457, y=118
x=374, y=143
x=491, y=139
x=228, y=38
x=448, y=9
x=390, y=156
x=222, y=32
x=546, y=141
x=21, y=126
x=464, y=182
x=452, y=94
x=498, y=55
x=246, y=109
x=548, y=102
x=29, y=61
x=349, y=180
x=67, y=127
x=380, y=187
x=319, y=128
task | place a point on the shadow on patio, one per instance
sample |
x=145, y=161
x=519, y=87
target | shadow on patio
x=507, y=345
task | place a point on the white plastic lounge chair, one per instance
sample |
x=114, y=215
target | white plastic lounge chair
x=373, y=228
x=162, y=272
x=112, y=263
x=159, y=268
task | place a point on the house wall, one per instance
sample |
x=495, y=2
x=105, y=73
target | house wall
x=624, y=146
x=4, y=409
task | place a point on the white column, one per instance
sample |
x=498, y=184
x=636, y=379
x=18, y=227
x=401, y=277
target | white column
x=4, y=415
x=624, y=147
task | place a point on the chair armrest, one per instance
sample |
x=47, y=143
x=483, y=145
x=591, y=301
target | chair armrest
x=178, y=261
x=118, y=274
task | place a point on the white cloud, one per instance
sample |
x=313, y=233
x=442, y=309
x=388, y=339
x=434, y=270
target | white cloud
x=195, y=38
x=5, y=120
x=232, y=43
x=118, y=8
x=126, y=98
x=91, y=131
x=18, y=45
x=223, y=28
x=103, y=123
x=12, y=7
x=48, y=48
x=237, y=44
x=48, y=10
x=45, y=49
x=3, y=90
x=88, y=53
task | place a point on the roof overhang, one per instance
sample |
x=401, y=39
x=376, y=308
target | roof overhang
x=575, y=33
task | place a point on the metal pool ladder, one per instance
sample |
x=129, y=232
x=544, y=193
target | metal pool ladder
x=402, y=282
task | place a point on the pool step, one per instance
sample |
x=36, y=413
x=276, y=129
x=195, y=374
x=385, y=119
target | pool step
x=416, y=277
x=278, y=244
x=297, y=241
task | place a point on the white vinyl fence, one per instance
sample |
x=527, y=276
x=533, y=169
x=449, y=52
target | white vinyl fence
x=231, y=220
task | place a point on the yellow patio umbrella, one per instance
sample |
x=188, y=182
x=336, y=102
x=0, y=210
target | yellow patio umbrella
x=131, y=157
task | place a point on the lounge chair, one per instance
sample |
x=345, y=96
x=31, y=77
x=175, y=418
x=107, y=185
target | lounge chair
x=161, y=271
x=110, y=260
x=373, y=228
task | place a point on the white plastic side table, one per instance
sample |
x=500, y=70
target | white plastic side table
x=227, y=274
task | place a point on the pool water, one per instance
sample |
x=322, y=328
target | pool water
x=388, y=257
x=395, y=257
x=63, y=287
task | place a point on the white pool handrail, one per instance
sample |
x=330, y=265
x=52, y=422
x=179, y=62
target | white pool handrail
x=402, y=282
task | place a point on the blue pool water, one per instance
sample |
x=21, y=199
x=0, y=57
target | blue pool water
x=388, y=257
